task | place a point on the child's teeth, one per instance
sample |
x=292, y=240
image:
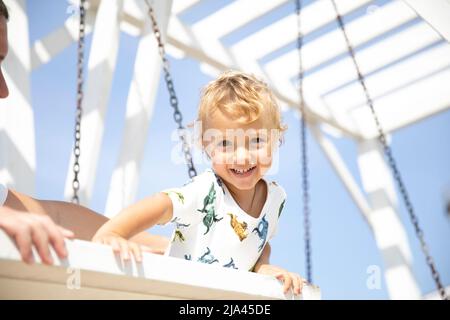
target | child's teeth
x=242, y=170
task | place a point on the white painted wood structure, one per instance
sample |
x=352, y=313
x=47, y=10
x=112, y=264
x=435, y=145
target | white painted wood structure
x=92, y=271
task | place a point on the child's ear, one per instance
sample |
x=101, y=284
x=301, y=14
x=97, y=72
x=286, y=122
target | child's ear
x=198, y=143
x=281, y=140
x=197, y=140
x=197, y=134
x=277, y=138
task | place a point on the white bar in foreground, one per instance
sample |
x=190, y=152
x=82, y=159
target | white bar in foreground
x=99, y=274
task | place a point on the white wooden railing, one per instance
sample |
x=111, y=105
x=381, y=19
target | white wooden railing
x=92, y=271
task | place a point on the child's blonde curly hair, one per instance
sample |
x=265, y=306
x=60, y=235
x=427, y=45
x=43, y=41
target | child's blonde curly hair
x=243, y=98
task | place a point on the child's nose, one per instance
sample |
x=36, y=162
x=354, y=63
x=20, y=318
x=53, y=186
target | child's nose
x=242, y=155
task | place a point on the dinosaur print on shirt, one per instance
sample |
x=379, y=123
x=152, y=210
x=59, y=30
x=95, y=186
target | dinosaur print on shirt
x=211, y=227
x=240, y=228
x=207, y=257
x=208, y=208
x=261, y=231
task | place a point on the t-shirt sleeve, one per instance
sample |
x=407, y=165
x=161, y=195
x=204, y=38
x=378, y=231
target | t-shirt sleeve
x=279, y=204
x=3, y=194
x=192, y=200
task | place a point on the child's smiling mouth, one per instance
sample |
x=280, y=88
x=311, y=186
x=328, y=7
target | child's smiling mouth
x=243, y=172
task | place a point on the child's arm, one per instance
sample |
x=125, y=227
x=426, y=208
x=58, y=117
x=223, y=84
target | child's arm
x=263, y=258
x=156, y=209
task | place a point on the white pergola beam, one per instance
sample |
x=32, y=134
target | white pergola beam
x=415, y=102
x=380, y=54
x=332, y=44
x=230, y=18
x=283, y=87
x=391, y=79
x=361, y=30
x=389, y=232
x=135, y=15
x=233, y=16
x=341, y=169
x=140, y=106
x=281, y=33
x=179, y=6
x=435, y=13
x=206, y=33
x=45, y=49
x=101, y=67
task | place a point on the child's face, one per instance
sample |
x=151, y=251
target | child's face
x=240, y=153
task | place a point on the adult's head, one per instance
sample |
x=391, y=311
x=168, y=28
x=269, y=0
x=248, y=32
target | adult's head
x=4, y=16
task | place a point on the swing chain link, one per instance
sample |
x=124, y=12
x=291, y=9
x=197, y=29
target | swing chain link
x=79, y=110
x=388, y=152
x=305, y=182
x=177, y=116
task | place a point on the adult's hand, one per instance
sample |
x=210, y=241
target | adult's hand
x=28, y=230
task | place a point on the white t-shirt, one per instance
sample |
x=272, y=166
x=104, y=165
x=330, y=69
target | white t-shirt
x=3, y=194
x=212, y=228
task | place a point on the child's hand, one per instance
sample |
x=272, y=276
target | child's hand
x=120, y=245
x=289, y=279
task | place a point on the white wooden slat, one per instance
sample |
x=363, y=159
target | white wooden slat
x=136, y=8
x=101, y=67
x=374, y=57
x=208, y=31
x=388, y=230
x=284, y=31
x=135, y=15
x=404, y=107
x=401, y=74
x=179, y=6
x=45, y=49
x=178, y=32
x=140, y=105
x=333, y=43
x=233, y=16
x=435, y=12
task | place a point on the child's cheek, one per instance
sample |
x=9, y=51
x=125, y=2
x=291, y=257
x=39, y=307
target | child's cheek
x=264, y=157
x=220, y=158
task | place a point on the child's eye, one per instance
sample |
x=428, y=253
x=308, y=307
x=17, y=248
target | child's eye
x=258, y=141
x=225, y=144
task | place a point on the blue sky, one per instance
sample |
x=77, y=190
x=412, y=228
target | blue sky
x=342, y=244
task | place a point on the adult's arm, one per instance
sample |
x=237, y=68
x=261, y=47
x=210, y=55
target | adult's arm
x=83, y=221
x=34, y=230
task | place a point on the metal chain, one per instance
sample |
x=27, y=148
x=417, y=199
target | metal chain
x=79, y=111
x=177, y=116
x=388, y=152
x=305, y=182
